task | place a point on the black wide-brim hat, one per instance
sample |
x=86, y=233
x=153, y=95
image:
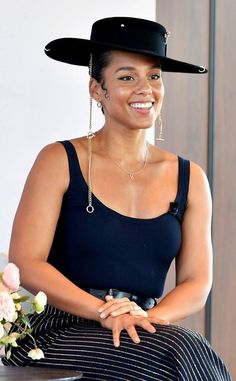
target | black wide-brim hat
x=120, y=33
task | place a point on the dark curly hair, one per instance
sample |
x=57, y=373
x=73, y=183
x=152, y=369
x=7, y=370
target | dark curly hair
x=99, y=63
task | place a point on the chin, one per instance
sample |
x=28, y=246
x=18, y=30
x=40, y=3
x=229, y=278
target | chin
x=142, y=126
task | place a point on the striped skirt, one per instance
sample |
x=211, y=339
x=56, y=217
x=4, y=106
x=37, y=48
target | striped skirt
x=172, y=353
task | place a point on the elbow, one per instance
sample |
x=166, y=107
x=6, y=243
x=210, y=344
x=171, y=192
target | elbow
x=203, y=291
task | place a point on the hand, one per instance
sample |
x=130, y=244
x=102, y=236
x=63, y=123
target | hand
x=128, y=323
x=119, y=306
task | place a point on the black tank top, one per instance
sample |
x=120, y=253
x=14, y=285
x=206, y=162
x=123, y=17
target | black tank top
x=105, y=249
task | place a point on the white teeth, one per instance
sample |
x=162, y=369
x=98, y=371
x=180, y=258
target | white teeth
x=141, y=105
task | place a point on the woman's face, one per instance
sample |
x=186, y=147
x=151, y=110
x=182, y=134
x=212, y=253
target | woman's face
x=132, y=90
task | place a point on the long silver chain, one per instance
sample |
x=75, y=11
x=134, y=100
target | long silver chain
x=90, y=207
x=90, y=136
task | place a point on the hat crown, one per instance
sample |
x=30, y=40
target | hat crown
x=120, y=33
x=130, y=34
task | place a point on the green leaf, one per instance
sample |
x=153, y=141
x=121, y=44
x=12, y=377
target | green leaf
x=25, y=320
x=21, y=299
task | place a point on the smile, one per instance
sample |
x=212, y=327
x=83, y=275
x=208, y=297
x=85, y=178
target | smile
x=143, y=105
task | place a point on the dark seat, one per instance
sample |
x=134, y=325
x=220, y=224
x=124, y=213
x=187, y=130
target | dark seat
x=15, y=373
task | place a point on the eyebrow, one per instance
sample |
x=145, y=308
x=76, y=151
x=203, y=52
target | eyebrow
x=156, y=66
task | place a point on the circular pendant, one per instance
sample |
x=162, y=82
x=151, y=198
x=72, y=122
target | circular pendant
x=90, y=208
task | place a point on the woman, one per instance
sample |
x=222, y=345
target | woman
x=102, y=217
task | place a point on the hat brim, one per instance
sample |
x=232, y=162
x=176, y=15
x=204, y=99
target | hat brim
x=76, y=51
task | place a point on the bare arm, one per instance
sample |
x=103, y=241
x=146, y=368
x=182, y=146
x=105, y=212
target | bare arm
x=194, y=262
x=33, y=231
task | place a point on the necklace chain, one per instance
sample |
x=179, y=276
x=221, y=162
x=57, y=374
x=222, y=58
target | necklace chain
x=133, y=173
x=90, y=136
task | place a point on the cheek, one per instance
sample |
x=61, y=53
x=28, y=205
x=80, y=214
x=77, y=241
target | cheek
x=119, y=92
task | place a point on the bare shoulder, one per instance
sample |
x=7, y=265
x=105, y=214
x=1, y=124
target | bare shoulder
x=198, y=177
x=199, y=189
x=52, y=153
x=51, y=165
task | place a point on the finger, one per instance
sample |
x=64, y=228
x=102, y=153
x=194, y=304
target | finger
x=145, y=324
x=117, y=309
x=133, y=333
x=139, y=312
x=108, y=297
x=111, y=302
x=155, y=320
x=123, y=309
x=116, y=336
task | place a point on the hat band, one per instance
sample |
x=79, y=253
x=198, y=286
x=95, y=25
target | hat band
x=138, y=41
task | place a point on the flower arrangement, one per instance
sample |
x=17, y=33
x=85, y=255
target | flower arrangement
x=14, y=321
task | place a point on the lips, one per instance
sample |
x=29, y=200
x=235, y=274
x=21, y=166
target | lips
x=141, y=105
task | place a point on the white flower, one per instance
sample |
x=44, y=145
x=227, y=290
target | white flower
x=7, y=327
x=15, y=295
x=10, y=339
x=7, y=307
x=39, y=302
x=36, y=354
x=2, y=330
x=12, y=313
x=11, y=277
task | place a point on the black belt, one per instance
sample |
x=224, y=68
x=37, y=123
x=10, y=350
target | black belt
x=141, y=301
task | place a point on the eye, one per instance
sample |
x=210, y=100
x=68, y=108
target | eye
x=126, y=78
x=155, y=76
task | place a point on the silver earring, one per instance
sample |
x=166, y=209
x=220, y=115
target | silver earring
x=90, y=132
x=160, y=137
x=99, y=104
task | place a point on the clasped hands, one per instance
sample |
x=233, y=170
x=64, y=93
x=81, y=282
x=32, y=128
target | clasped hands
x=122, y=314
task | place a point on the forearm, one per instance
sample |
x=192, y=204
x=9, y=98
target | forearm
x=61, y=292
x=183, y=301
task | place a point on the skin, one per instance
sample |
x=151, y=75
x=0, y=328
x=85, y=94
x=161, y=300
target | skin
x=129, y=78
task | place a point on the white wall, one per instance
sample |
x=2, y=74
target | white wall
x=42, y=100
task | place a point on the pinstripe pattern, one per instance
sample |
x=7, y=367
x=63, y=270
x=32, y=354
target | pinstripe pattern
x=172, y=353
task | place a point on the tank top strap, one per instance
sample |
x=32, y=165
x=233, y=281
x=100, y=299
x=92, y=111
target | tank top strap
x=76, y=177
x=178, y=207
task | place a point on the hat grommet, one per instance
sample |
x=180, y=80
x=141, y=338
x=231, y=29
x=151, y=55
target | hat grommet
x=167, y=35
x=202, y=69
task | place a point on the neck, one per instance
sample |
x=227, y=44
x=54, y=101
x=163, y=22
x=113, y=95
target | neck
x=128, y=148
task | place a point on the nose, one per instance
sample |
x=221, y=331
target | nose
x=143, y=88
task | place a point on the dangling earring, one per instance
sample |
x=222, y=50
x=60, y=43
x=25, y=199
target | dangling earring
x=160, y=137
x=90, y=136
x=99, y=104
x=90, y=132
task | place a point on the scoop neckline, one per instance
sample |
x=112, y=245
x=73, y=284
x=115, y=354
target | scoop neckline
x=101, y=204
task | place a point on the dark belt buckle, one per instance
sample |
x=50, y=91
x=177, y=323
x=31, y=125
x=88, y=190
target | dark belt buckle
x=118, y=294
x=146, y=303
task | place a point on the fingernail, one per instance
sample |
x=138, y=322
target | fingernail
x=102, y=315
x=116, y=344
x=113, y=313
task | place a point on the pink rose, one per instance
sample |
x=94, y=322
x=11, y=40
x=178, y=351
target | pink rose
x=7, y=307
x=11, y=277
